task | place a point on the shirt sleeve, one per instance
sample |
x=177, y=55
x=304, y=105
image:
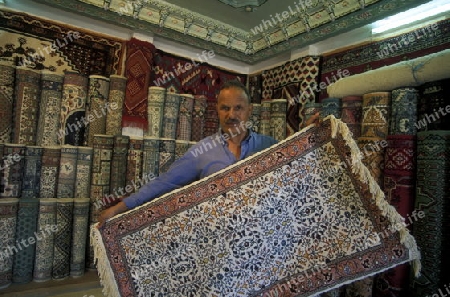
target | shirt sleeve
x=181, y=172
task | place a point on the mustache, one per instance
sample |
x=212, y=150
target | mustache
x=232, y=122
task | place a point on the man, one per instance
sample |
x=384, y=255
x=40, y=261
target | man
x=233, y=142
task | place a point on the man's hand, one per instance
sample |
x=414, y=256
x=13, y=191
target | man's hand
x=314, y=119
x=110, y=212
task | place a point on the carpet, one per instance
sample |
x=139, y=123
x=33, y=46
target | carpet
x=119, y=163
x=63, y=238
x=8, y=222
x=50, y=108
x=67, y=172
x=32, y=172
x=331, y=106
x=352, y=114
x=155, y=111
x=150, y=155
x=181, y=147
x=30, y=40
x=27, y=96
x=255, y=117
x=166, y=154
x=80, y=227
x=184, y=125
x=11, y=175
x=43, y=263
x=97, y=107
x=277, y=121
x=170, y=115
x=410, y=73
x=376, y=110
x=134, y=160
x=295, y=81
x=116, y=98
x=276, y=223
x=83, y=174
x=211, y=118
x=198, y=118
x=23, y=263
x=432, y=196
x=265, y=117
x=255, y=87
x=434, y=99
x=399, y=188
x=385, y=52
x=7, y=76
x=51, y=156
x=138, y=71
x=73, y=109
x=100, y=171
x=403, y=117
x=186, y=76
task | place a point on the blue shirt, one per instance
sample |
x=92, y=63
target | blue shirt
x=206, y=157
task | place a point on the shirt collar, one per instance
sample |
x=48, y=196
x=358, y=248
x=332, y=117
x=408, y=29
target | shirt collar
x=250, y=133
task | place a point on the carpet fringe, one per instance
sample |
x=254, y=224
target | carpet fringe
x=106, y=274
x=107, y=279
x=389, y=211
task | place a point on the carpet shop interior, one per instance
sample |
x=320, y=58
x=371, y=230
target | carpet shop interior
x=98, y=97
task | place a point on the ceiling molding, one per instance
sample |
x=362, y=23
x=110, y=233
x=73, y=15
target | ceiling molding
x=243, y=3
x=301, y=24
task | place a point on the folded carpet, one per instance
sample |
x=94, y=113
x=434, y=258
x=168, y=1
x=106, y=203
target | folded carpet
x=299, y=218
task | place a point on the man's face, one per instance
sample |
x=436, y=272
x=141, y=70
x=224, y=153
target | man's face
x=233, y=107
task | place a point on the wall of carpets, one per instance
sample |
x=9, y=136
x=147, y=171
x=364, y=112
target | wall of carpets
x=63, y=144
x=294, y=81
x=425, y=40
x=404, y=138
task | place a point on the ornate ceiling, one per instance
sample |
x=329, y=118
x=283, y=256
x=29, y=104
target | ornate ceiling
x=249, y=31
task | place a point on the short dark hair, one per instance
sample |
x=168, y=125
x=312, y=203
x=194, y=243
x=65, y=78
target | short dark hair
x=236, y=84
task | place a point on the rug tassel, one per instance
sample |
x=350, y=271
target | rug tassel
x=104, y=269
x=396, y=220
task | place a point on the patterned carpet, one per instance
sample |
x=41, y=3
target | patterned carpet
x=279, y=222
x=25, y=39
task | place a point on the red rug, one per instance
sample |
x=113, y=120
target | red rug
x=187, y=76
x=138, y=71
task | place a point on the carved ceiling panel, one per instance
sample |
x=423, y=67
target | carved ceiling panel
x=275, y=27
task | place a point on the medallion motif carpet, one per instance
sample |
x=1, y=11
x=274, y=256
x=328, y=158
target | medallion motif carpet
x=27, y=40
x=279, y=223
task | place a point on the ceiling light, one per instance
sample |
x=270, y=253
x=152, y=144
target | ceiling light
x=418, y=13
